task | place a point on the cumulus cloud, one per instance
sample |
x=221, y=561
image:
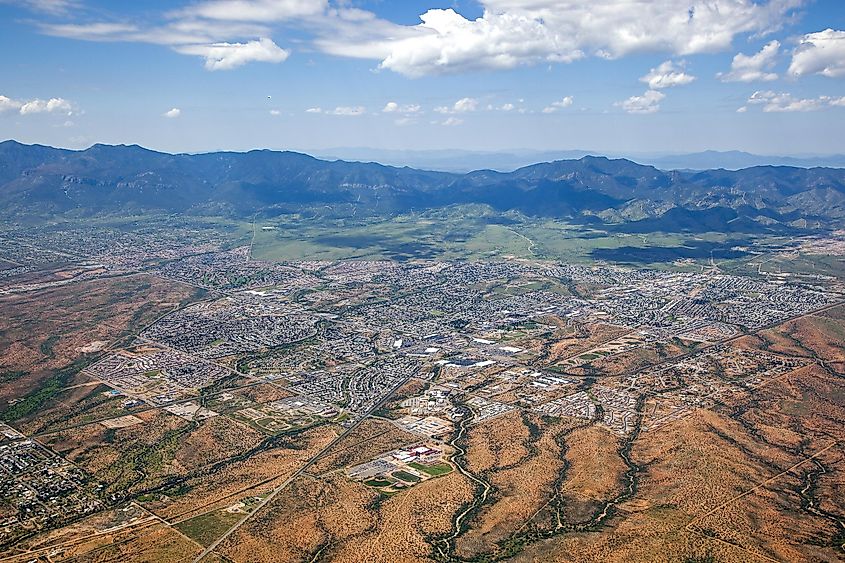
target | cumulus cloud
x=784, y=102
x=8, y=104
x=275, y=112
x=172, y=113
x=46, y=106
x=822, y=53
x=464, y=105
x=511, y=33
x=647, y=103
x=30, y=107
x=667, y=75
x=314, y=110
x=452, y=121
x=753, y=68
x=226, y=56
x=560, y=104
x=393, y=107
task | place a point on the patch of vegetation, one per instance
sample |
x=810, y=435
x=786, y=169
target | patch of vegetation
x=405, y=476
x=434, y=470
x=377, y=483
x=208, y=527
x=7, y=376
x=30, y=404
x=47, y=346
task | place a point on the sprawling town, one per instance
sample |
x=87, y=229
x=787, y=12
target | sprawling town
x=432, y=349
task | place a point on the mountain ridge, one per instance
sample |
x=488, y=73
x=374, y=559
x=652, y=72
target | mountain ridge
x=463, y=161
x=36, y=180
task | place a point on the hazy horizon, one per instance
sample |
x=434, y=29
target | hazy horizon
x=312, y=151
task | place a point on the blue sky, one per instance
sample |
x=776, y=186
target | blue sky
x=621, y=76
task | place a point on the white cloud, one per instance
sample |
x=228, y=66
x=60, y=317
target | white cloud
x=560, y=104
x=30, y=107
x=46, y=106
x=822, y=53
x=667, y=75
x=743, y=109
x=350, y=111
x=393, y=107
x=275, y=112
x=218, y=42
x=647, y=103
x=54, y=7
x=507, y=107
x=464, y=105
x=314, y=110
x=172, y=113
x=753, y=68
x=511, y=33
x=202, y=38
x=226, y=56
x=775, y=102
x=783, y=102
x=254, y=10
x=176, y=34
x=452, y=121
x=8, y=104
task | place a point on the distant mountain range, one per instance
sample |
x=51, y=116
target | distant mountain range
x=458, y=161
x=507, y=161
x=737, y=160
x=38, y=182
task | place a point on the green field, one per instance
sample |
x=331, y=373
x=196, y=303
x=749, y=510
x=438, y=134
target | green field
x=405, y=476
x=476, y=232
x=465, y=232
x=208, y=527
x=434, y=470
x=378, y=483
